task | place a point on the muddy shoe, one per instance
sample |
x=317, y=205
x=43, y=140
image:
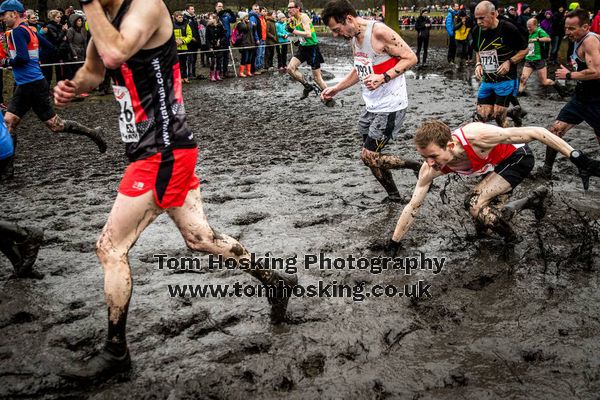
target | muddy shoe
x=393, y=198
x=96, y=136
x=307, y=90
x=27, y=252
x=537, y=203
x=283, y=285
x=561, y=89
x=100, y=367
x=516, y=114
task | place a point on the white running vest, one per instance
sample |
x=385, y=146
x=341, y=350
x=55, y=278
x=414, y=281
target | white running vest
x=390, y=96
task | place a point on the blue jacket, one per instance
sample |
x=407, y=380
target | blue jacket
x=227, y=18
x=26, y=69
x=282, y=33
x=254, y=19
x=6, y=143
x=450, y=21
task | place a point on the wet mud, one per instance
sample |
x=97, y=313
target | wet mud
x=284, y=177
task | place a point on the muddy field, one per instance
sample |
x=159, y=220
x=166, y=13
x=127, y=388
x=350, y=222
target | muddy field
x=284, y=176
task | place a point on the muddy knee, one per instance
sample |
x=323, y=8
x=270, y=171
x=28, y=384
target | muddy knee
x=109, y=254
x=369, y=158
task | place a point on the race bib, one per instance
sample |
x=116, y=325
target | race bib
x=531, y=47
x=363, y=67
x=129, y=133
x=489, y=60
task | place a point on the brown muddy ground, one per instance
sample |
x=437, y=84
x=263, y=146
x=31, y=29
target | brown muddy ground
x=284, y=177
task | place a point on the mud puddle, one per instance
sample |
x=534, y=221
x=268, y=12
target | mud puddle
x=284, y=176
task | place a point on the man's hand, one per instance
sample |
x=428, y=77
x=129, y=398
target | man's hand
x=328, y=93
x=562, y=72
x=503, y=68
x=478, y=72
x=393, y=248
x=64, y=92
x=586, y=166
x=373, y=81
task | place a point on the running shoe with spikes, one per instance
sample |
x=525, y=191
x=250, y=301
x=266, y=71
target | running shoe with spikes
x=100, y=367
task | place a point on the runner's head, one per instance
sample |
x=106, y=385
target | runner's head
x=486, y=15
x=434, y=142
x=294, y=8
x=11, y=12
x=340, y=17
x=532, y=24
x=577, y=24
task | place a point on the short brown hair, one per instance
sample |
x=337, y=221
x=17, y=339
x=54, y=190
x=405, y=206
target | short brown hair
x=433, y=131
x=582, y=15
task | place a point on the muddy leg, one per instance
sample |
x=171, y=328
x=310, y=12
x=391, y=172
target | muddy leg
x=56, y=124
x=199, y=236
x=383, y=175
x=127, y=220
x=486, y=215
x=484, y=113
x=559, y=128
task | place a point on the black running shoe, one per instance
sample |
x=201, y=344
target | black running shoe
x=537, y=202
x=307, y=90
x=27, y=252
x=561, y=89
x=393, y=198
x=281, y=297
x=96, y=136
x=100, y=367
x=516, y=114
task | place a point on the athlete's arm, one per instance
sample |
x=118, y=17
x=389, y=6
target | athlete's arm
x=591, y=49
x=395, y=46
x=305, y=25
x=517, y=58
x=87, y=78
x=426, y=176
x=349, y=80
x=117, y=46
x=20, y=38
x=487, y=136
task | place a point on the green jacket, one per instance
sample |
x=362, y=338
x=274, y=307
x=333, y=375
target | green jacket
x=187, y=38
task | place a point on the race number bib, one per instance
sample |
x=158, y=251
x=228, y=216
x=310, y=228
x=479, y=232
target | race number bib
x=531, y=47
x=363, y=67
x=489, y=60
x=129, y=133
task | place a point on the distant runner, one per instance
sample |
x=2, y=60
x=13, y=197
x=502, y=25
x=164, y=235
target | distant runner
x=380, y=59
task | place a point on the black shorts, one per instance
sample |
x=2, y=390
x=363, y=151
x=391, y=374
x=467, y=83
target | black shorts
x=536, y=65
x=32, y=95
x=576, y=111
x=378, y=128
x=517, y=166
x=310, y=55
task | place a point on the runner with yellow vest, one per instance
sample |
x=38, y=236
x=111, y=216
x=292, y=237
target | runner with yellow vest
x=308, y=51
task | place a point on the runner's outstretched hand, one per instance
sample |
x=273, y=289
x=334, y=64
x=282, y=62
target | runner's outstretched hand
x=64, y=92
x=328, y=93
x=586, y=166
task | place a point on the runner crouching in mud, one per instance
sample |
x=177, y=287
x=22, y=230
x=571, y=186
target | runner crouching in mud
x=380, y=59
x=477, y=149
x=133, y=40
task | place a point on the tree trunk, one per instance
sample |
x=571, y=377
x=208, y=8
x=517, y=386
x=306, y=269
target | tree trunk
x=391, y=14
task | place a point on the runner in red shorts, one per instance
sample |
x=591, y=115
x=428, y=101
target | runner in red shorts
x=133, y=40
